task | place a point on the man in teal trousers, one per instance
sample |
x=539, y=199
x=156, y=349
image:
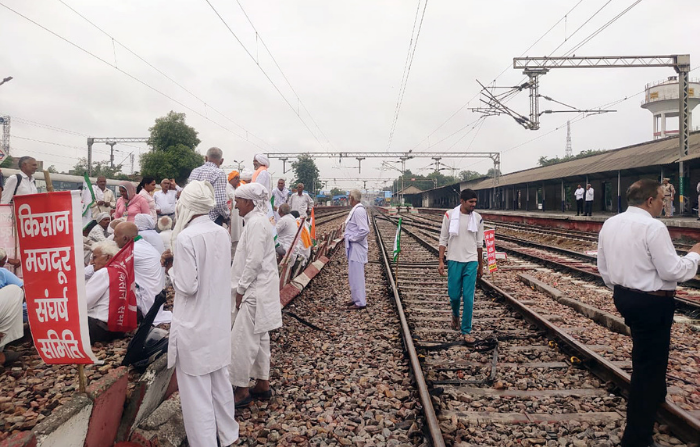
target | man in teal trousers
x=463, y=232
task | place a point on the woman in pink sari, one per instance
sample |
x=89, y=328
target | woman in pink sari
x=130, y=204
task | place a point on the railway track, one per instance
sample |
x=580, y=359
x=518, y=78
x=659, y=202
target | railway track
x=562, y=259
x=528, y=381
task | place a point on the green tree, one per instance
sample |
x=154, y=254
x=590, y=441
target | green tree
x=544, y=161
x=173, y=154
x=337, y=192
x=52, y=169
x=98, y=168
x=305, y=171
x=7, y=162
x=493, y=172
x=177, y=162
x=170, y=131
x=465, y=176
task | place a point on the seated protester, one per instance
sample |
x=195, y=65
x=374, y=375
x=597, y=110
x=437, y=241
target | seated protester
x=112, y=225
x=100, y=231
x=149, y=274
x=11, y=312
x=97, y=293
x=12, y=278
x=165, y=228
x=286, y=229
x=87, y=243
x=147, y=230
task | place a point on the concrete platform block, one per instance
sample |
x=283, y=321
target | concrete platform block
x=67, y=426
x=164, y=427
x=149, y=392
x=24, y=439
x=107, y=395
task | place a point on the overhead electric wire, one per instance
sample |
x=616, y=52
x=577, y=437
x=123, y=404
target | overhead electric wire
x=412, y=45
x=127, y=74
x=602, y=28
x=582, y=25
x=500, y=74
x=263, y=71
x=133, y=53
x=259, y=37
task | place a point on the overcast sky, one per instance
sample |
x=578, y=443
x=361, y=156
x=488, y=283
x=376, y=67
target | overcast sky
x=345, y=60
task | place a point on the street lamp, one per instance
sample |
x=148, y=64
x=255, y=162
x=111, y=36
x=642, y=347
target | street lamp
x=7, y=79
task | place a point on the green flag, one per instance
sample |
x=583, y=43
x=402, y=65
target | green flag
x=397, y=240
x=87, y=203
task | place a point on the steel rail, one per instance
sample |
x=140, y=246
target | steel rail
x=682, y=423
x=683, y=303
x=423, y=393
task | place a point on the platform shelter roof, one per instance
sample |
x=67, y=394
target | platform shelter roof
x=637, y=157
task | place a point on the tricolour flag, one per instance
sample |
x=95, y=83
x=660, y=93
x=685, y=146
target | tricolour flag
x=88, y=198
x=397, y=241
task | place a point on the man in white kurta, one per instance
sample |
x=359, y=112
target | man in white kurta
x=281, y=194
x=105, y=202
x=257, y=309
x=286, y=227
x=199, y=345
x=356, y=231
x=236, y=224
x=301, y=202
x=11, y=297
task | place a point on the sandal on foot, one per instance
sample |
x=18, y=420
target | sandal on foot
x=265, y=395
x=468, y=339
x=244, y=403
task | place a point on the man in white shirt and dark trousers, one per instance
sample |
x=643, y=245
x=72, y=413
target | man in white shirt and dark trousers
x=463, y=232
x=579, y=199
x=301, y=202
x=22, y=183
x=590, y=194
x=637, y=259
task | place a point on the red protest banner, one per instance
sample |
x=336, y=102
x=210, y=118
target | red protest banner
x=490, y=238
x=51, y=248
x=122, y=298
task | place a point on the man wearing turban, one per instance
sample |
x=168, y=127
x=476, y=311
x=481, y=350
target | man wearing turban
x=257, y=310
x=261, y=163
x=199, y=342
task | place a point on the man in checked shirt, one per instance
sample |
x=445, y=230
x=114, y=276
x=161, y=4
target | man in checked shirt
x=211, y=172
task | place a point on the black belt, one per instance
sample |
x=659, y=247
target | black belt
x=661, y=293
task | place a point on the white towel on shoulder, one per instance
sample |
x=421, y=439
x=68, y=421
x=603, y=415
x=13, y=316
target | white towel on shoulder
x=454, y=221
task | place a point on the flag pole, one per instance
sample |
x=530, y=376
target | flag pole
x=396, y=269
x=82, y=380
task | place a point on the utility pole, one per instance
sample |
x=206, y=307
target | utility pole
x=569, y=151
x=679, y=62
x=90, y=142
x=111, y=152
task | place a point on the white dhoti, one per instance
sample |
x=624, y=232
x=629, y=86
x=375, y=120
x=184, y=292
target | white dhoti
x=11, y=314
x=356, y=277
x=207, y=408
x=250, y=352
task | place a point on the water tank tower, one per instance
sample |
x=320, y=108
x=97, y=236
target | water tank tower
x=661, y=99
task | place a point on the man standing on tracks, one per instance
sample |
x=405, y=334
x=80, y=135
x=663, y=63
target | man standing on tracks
x=590, y=195
x=579, y=199
x=199, y=345
x=301, y=202
x=636, y=259
x=463, y=232
x=255, y=286
x=356, y=231
x=669, y=194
